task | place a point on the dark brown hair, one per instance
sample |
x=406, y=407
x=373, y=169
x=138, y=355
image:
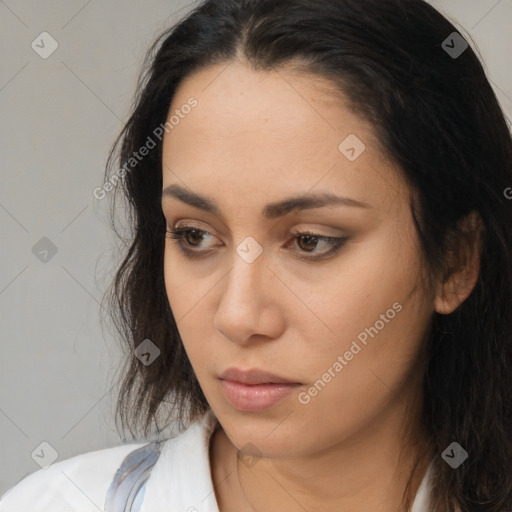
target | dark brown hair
x=437, y=117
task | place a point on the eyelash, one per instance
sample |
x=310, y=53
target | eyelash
x=178, y=234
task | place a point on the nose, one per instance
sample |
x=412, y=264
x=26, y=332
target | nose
x=249, y=307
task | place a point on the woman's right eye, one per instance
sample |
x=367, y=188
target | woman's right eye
x=188, y=236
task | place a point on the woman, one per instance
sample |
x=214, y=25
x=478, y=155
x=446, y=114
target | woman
x=320, y=278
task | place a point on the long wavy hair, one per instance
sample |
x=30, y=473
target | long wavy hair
x=437, y=117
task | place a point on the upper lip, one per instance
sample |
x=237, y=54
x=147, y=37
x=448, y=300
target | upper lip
x=254, y=376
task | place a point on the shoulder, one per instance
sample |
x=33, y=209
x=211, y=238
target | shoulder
x=79, y=483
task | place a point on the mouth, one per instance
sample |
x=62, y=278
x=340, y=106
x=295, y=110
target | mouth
x=255, y=390
x=252, y=377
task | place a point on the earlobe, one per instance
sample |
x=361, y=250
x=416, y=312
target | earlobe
x=463, y=256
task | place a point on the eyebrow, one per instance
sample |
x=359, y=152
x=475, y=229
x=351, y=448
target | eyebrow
x=271, y=210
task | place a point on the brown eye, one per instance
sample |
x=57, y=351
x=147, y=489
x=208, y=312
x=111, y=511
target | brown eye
x=189, y=238
x=307, y=243
x=193, y=236
x=310, y=242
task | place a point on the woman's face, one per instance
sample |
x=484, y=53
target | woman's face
x=343, y=325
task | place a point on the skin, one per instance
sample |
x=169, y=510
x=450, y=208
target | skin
x=258, y=137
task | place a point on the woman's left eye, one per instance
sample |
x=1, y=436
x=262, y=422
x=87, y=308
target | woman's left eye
x=306, y=241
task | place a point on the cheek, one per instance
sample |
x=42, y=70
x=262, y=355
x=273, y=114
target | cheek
x=364, y=359
x=187, y=296
x=184, y=289
x=367, y=329
x=353, y=384
x=372, y=278
x=180, y=297
x=174, y=286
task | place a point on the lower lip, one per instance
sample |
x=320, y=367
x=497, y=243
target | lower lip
x=256, y=397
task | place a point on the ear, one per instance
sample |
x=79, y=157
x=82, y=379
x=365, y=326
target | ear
x=463, y=257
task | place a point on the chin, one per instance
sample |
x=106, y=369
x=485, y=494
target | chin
x=261, y=435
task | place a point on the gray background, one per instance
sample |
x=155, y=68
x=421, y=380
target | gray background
x=59, y=116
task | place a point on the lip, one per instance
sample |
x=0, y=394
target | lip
x=255, y=390
x=254, y=376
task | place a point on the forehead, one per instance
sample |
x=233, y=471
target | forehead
x=268, y=129
x=287, y=102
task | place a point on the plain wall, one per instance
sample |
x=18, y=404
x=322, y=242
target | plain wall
x=59, y=117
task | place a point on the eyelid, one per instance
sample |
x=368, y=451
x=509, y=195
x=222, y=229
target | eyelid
x=297, y=229
x=184, y=227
